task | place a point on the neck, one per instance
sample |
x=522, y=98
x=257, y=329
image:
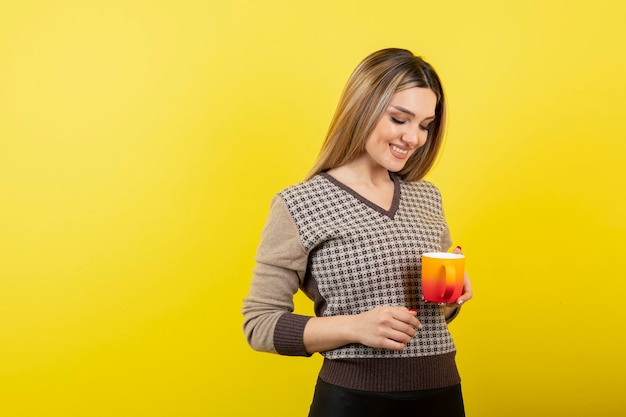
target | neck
x=363, y=171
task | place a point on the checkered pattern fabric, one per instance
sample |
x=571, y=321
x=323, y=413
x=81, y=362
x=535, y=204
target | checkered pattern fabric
x=363, y=256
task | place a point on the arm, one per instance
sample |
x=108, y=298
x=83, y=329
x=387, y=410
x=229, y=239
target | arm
x=269, y=322
x=384, y=327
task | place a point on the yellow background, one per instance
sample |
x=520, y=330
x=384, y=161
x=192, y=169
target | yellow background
x=141, y=142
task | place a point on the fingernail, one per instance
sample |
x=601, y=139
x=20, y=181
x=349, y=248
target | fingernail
x=460, y=302
x=413, y=310
x=459, y=248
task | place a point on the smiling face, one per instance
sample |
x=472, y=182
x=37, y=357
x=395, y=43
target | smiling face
x=402, y=128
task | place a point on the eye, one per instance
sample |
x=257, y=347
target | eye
x=397, y=121
x=425, y=128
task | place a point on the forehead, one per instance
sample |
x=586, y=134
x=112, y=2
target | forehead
x=418, y=100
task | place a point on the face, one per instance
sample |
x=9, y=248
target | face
x=402, y=128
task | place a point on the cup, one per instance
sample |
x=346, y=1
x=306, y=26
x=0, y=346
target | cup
x=442, y=276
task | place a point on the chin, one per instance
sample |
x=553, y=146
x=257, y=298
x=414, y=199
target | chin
x=396, y=167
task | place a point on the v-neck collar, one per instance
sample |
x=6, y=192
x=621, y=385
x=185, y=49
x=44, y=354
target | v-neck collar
x=395, y=203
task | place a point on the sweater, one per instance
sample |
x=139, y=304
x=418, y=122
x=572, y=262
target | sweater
x=349, y=255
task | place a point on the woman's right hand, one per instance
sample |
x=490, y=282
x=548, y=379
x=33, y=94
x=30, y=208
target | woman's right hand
x=384, y=327
x=387, y=327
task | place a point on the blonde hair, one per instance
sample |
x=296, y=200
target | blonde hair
x=366, y=96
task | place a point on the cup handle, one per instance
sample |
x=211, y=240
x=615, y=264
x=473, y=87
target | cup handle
x=450, y=278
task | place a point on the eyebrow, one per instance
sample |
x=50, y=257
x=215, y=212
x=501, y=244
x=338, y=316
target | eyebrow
x=409, y=112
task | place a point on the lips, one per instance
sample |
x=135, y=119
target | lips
x=399, y=152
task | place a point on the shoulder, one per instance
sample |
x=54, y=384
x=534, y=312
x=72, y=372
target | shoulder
x=421, y=193
x=311, y=206
x=307, y=193
x=421, y=186
x=309, y=186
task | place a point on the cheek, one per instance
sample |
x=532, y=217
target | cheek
x=377, y=137
x=385, y=126
x=423, y=138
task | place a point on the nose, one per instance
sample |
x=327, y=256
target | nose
x=414, y=137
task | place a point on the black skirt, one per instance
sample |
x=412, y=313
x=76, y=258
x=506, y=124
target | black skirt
x=334, y=401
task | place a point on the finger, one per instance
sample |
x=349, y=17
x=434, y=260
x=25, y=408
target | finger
x=413, y=320
x=387, y=342
x=400, y=319
x=466, y=296
x=458, y=250
x=468, y=292
x=399, y=316
x=401, y=335
x=396, y=331
x=406, y=323
x=391, y=345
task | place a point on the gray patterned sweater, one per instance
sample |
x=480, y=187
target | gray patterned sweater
x=349, y=255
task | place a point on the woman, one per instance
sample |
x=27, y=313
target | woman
x=351, y=237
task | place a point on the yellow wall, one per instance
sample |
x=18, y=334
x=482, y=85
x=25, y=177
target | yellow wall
x=141, y=142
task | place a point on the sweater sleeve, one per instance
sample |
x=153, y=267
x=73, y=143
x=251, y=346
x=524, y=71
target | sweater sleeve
x=269, y=322
x=446, y=240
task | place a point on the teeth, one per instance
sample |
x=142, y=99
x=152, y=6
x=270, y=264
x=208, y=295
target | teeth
x=402, y=151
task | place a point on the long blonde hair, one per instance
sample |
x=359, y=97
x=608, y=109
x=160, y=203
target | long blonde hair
x=366, y=96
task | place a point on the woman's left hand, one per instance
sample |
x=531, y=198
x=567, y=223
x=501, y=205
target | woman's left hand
x=466, y=295
x=467, y=292
x=467, y=285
